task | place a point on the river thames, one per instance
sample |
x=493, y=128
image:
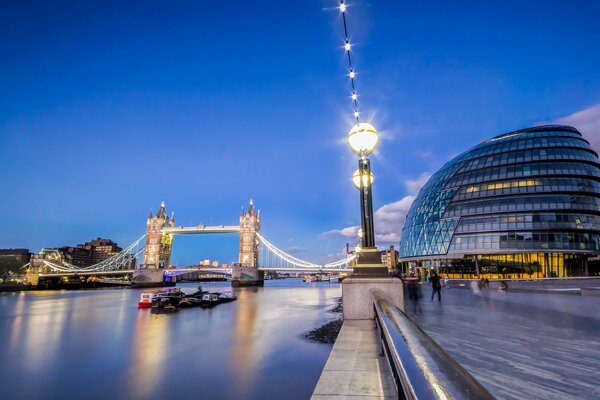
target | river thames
x=96, y=344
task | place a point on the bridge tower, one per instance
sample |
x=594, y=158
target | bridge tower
x=246, y=272
x=157, y=251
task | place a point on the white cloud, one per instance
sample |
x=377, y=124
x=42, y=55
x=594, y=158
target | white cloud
x=587, y=121
x=294, y=250
x=349, y=232
x=389, y=218
x=413, y=186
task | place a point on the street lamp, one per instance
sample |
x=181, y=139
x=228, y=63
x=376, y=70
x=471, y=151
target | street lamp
x=363, y=139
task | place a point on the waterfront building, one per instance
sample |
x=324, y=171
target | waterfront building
x=11, y=260
x=522, y=204
x=389, y=258
x=90, y=253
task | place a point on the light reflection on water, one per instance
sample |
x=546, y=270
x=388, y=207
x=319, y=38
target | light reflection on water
x=98, y=345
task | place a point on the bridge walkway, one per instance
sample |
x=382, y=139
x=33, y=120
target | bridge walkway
x=519, y=345
x=355, y=369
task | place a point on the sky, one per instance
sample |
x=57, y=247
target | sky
x=108, y=108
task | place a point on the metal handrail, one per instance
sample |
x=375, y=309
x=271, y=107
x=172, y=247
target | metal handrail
x=421, y=368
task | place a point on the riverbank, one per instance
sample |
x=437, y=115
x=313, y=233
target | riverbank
x=328, y=332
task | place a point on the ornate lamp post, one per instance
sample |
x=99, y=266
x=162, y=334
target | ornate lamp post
x=363, y=139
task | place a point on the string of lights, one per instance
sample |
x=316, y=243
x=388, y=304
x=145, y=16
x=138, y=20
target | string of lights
x=351, y=71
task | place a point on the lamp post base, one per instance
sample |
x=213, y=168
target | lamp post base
x=368, y=263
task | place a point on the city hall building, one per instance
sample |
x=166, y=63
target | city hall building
x=525, y=204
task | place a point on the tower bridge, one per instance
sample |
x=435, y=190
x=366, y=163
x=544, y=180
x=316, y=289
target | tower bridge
x=256, y=255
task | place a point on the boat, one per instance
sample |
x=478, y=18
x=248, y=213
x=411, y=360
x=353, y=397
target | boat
x=170, y=296
x=210, y=299
x=162, y=308
x=146, y=299
x=226, y=297
x=310, y=278
x=188, y=302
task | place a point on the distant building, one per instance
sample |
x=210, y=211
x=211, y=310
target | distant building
x=90, y=253
x=13, y=259
x=21, y=255
x=389, y=258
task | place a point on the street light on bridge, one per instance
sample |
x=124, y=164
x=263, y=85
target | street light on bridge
x=363, y=139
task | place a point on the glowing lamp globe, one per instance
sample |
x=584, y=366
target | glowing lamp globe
x=363, y=138
x=365, y=182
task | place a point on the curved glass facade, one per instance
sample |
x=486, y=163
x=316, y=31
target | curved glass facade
x=527, y=202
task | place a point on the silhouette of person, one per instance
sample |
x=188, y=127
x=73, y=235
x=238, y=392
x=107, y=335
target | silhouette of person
x=436, y=285
x=414, y=293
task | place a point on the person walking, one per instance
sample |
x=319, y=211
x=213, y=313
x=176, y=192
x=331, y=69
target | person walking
x=414, y=293
x=436, y=284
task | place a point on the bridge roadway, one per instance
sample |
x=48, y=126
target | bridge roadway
x=196, y=229
x=224, y=271
x=519, y=345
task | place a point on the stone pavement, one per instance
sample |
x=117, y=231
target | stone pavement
x=355, y=369
x=519, y=345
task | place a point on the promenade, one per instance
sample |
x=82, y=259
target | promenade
x=519, y=345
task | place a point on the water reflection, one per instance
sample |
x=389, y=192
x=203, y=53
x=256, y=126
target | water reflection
x=243, y=357
x=43, y=333
x=98, y=345
x=149, y=347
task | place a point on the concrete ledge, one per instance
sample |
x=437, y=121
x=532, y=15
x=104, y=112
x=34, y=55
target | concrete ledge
x=354, y=368
x=356, y=296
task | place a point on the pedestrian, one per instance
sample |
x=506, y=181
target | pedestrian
x=414, y=293
x=436, y=285
x=503, y=286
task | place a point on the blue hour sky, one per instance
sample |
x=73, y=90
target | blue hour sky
x=108, y=108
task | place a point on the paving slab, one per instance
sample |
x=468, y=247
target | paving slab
x=520, y=345
x=355, y=368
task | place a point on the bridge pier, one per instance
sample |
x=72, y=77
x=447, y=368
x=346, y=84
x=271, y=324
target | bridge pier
x=148, y=277
x=247, y=276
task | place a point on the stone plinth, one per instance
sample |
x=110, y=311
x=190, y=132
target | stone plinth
x=247, y=276
x=147, y=277
x=357, y=300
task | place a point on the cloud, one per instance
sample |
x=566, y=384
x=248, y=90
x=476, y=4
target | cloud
x=389, y=218
x=349, y=232
x=587, y=121
x=413, y=186
x=339, y=255
x=294, y=250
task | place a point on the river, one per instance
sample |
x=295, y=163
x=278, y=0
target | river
x=96, y=344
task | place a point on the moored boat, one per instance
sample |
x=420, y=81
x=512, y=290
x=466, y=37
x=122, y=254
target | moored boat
x=210, y=299
x=188, y=302
x=226, y=297
x=163, y=308
x=146, y=299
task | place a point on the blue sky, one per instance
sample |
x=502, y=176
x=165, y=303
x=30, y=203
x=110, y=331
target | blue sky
x=108, y=108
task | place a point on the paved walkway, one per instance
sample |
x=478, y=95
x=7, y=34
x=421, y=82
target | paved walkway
x=354, y=369
x=520, y=345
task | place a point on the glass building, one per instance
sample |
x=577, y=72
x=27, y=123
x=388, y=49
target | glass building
x=523, y=204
